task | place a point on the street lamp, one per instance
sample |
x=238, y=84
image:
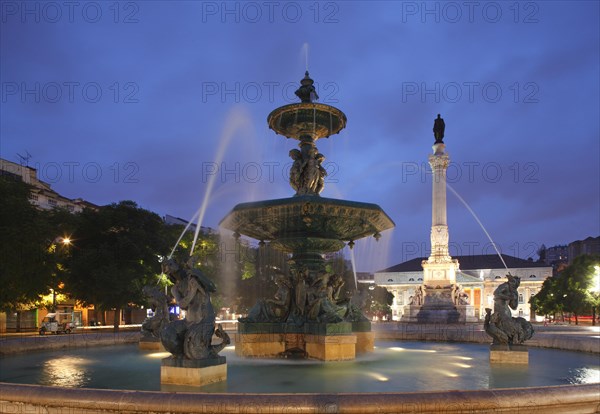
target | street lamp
x=65, y=242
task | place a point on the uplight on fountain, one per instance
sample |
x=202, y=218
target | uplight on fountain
x=306, y=310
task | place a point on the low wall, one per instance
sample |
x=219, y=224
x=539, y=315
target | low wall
x=20, y=344
x=567, y=341
x=581, y=399
x=561, y=399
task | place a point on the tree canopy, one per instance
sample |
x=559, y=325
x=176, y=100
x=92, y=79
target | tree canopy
x=115, y=255
x=27, y=247
x=570, y=290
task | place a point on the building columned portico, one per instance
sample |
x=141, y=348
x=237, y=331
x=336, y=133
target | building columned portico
x=479, y=276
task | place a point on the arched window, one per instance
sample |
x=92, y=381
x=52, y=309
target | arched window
x=520, y=298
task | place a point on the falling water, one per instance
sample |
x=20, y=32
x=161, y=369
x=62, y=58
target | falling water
x=478, y=221
x=374, y=254
x=236, y=120
x=353, y=261
x=183, y=232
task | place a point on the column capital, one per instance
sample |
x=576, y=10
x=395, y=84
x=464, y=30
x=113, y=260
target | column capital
x=438, y=161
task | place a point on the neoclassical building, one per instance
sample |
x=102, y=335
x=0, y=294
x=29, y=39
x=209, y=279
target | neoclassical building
x=479, y=275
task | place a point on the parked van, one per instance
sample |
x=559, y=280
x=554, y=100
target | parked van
x=57, y=323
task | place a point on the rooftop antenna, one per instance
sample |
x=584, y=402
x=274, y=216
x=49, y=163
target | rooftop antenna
x=24, y=159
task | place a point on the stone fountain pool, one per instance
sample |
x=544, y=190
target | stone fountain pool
x=394, y=366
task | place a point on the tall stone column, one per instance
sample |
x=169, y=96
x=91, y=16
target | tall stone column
x=439, y=226
x=437, y=300
x=440, y=269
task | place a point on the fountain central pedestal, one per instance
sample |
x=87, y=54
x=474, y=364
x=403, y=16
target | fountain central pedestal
x=307, y=315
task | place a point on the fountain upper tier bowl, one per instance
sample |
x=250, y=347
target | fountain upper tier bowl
x=309, y=222
x=307, y=118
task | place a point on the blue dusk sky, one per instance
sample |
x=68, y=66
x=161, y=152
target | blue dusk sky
x=147, y=100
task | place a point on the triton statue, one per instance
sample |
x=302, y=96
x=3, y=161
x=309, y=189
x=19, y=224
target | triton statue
x=191, y=337
x=500, y=325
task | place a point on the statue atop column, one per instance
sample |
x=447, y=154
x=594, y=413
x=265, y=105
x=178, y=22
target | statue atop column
x=439, y=126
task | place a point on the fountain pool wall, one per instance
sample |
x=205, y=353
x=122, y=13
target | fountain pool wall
x=17, y=398
x=578, y=399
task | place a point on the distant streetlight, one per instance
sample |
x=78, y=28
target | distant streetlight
x=595, y=289
x=596, y=280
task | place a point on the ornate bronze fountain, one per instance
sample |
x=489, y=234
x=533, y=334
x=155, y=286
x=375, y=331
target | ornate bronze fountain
x=307, y=226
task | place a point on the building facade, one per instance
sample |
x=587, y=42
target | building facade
x=479, y=276
x=42, y=195
x=556, y=255
x=591, y=245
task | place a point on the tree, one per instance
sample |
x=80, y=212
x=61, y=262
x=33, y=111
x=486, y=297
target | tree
x=545, y=301
x=569, y=291
x=26, y=235
x=115, y=255
x=378, y=301
x=575, y=282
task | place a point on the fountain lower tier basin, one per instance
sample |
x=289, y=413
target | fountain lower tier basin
x=307, y=223
x=399, y=376
x=394, y=366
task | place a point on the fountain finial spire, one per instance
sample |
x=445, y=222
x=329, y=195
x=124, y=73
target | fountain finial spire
x=307, y=92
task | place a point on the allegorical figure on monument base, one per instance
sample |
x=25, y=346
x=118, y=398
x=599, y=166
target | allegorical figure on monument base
x=419, y=296
x=459, y=297
x=191, y=337
x=439, y=126
x=501, y=325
